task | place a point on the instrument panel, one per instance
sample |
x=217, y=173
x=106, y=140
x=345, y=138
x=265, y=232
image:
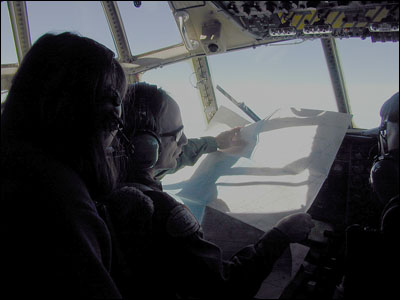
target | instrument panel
x=315, y=19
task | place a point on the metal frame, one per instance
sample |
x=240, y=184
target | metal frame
x=117, y=29
x=20, y=27
x=121, y=42
x=205, y=86
x=7, y=73
x=336, y=74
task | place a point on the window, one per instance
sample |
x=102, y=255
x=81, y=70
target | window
x=270, y=77
x=8, y=50
x=150, y=26
x=371, y=72
x=84, y=17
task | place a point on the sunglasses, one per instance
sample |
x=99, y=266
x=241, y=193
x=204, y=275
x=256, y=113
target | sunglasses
x=177, y=134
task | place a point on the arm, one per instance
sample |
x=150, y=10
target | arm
x=191, y=153
x=201, y=271
x=238, y=278
x=195, y=148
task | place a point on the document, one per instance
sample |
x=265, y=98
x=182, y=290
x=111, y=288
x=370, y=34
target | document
x=279, y=171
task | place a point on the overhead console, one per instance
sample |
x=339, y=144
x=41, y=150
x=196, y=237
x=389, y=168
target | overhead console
x=311, y=19
x=212, y=27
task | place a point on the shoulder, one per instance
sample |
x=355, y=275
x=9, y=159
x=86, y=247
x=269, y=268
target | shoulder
x=175, y=218
x=129, y=198
x=129, y=205
x=49, y=196
x=181, y=222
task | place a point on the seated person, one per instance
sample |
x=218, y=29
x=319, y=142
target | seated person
x=174, y=260
x=61, y=113
x=385, y=171
x=385, y=176
x=373, y=254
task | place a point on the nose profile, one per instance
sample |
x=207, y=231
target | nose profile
x=183, y=141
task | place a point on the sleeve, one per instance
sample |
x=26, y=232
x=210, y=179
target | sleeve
x=204, y=273
x=238, y=278
x=191, y=153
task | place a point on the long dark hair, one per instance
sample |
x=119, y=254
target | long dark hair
x=57, y=103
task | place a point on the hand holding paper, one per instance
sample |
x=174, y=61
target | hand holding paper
x=229, y=138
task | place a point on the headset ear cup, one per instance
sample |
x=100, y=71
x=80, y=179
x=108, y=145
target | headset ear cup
x=147, y=148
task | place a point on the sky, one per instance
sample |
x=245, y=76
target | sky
x=265, y=78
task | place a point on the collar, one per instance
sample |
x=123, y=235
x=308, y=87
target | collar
x=145, y=178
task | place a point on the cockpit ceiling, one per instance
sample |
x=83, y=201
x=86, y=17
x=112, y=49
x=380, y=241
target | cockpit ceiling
x=270, y=20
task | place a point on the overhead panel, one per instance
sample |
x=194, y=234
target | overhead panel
x=272, y=20
x=187, y=4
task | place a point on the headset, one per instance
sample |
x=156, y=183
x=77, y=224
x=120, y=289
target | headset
x=147, y=149
x=384, y=174
x=145, y=146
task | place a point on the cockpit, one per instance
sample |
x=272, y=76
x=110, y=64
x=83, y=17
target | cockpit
x=305, y=80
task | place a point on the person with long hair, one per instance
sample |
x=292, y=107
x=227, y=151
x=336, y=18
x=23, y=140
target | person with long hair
x=61, y=114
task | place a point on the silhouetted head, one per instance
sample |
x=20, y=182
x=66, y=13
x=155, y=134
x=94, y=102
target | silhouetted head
x=66, y=100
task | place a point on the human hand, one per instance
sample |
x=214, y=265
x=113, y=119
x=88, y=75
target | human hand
x=229, y=138
x=296, y=226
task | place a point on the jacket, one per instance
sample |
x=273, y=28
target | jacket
x=54, y=243
x=173, y=260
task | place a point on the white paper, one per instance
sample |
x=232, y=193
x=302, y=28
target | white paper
x=279, y=172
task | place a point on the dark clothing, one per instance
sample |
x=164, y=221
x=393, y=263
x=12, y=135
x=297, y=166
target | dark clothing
x=373, y=257
x=390, y=221
x=175, y=261
x=54, y=244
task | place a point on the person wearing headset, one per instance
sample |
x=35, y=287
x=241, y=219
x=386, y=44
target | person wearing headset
x=385, y=170
x=61, y=113
x=167, y=254
x=373, y=253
